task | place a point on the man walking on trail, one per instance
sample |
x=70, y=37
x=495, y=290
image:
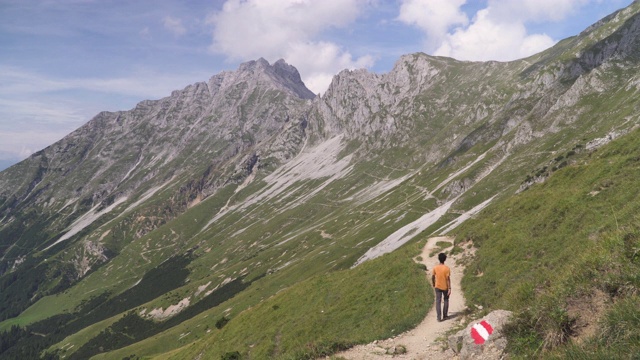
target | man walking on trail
x=441, y=280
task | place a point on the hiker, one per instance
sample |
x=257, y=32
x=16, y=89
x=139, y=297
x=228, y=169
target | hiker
x=441, y=280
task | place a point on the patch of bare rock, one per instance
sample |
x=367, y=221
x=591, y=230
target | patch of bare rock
x=482, y=339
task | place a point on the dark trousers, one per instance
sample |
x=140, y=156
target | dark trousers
x=445, y=309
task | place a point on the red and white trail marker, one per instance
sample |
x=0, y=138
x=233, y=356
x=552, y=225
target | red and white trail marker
x=480, y=332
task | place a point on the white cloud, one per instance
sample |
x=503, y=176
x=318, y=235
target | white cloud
x=435, y=17
x=174, y=26
x=534, y=10
x=53, y=113
x=18, y=145
x=486, y=39
x=273, y=29
x=27, y=126
x=37, y=109
x=145, y=33
x=327, y=60
x=145, y=84
x=497, y=32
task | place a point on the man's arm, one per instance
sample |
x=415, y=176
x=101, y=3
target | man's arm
x=433, y=280
x=449, y=284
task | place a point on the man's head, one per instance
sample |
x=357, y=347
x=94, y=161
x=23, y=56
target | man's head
x=442, y=257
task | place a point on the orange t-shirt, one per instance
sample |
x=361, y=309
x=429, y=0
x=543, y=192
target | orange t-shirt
x=442, y=274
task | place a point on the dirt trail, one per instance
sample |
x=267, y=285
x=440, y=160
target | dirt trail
x=419, y=342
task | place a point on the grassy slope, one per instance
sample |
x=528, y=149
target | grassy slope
x=317, y=316
x=558, y=244
x=311, y=255
x=329, y=312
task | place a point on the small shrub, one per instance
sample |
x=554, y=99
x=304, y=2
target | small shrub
x=233, y=355
x=456, y=250
x=440, y=246
x=443, y=244
x=313, y=350
x=222, y=322
x=558, y=328
x=541, y=172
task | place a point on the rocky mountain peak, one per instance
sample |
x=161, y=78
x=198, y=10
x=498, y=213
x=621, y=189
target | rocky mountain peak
x=285, y=76
x=254, y=65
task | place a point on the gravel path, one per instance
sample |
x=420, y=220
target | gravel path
x=420, y=343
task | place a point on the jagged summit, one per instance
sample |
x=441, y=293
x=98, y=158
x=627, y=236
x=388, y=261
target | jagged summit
x=284, y=75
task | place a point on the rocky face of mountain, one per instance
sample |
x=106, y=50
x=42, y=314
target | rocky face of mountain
x=194, y=142
x=250, y=178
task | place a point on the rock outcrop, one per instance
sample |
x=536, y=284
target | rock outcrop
x=479, y=341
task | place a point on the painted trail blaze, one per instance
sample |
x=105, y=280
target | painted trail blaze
x=480, y=332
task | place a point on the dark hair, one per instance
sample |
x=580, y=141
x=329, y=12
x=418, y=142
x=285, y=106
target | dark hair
x=442, y=257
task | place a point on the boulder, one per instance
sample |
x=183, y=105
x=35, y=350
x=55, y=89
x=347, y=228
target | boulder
x=482, y=339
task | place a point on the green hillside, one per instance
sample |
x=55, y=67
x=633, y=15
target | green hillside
x=565, y=257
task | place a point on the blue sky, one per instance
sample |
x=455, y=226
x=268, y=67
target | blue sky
x=63, y=61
